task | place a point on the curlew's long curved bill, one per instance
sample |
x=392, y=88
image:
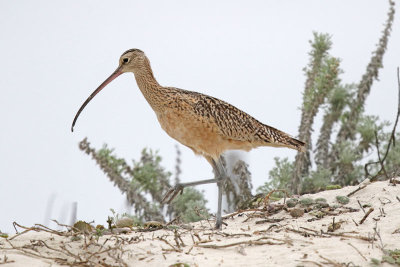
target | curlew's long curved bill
x=115, y=74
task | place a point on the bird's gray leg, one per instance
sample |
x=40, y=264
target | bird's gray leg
x=173, y=192
x=220, y=173
x=220, y=176
x=218, y=216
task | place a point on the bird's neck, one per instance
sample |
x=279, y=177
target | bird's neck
x=151, y=89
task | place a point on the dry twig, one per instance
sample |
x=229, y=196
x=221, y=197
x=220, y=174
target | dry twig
x=334, y=263
x=64, y=256
x=272, y=220
x=366, y=215
x=358, y=251
x=359, y=203
x=391, y=140
x=240, y=211
x=169, y=244
x=248, y=242
x=227, y=234
x=37, y=228
x=349, y=236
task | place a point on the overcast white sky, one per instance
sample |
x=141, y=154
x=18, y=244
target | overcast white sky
x=53, y=54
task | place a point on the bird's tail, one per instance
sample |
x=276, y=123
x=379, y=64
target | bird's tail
x=296, y=144
x=277, y=138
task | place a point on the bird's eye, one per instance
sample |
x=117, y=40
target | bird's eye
x=125, y=60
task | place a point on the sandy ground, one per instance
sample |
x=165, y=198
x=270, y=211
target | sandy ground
x=263, y=237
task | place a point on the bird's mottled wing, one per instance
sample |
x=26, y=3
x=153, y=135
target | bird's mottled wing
x=231, y=121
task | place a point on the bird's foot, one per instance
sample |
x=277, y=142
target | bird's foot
x=218, y=225
x=172, y=193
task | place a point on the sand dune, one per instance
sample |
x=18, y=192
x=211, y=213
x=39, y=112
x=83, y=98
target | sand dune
x=268, y=236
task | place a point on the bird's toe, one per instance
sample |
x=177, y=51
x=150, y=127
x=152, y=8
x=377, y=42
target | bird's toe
x=172, y=193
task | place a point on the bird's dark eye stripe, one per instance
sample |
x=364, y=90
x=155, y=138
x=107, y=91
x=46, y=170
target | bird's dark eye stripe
x=125, y=60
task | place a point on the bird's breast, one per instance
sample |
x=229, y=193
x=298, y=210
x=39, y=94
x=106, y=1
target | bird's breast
x=190, y=130
x=200, y=134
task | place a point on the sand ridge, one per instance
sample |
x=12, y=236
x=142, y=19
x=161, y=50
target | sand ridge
x=268, y=236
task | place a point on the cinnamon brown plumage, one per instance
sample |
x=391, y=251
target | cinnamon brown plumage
x=209, y=126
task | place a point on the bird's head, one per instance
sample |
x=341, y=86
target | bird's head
x=132, y=60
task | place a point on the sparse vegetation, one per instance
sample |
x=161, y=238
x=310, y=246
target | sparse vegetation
x=340, y=162
x=144, y=184
x=279, y=177
x=342, y=200
x=390, y=256
x=306, y=201
x=345, y=141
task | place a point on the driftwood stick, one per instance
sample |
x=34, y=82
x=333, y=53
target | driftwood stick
x=359, y=203
x=240, y=211
x=358, y=251
x=381, y=161
x=391, y=140
x=366, y=215
x=247, y=242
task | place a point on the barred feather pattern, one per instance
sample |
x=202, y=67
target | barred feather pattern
x=189, y=116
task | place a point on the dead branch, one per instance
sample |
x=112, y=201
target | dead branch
x=348, y=236
x=248, y=242
x=65, y=256
x=324, y=234
x=366, y=215
x=355, y=191
x=240, y=211
x=272, y=220
x=37, y=255
x=392, y=139
x=308, y=229
x=358, y=251
x=381, y=162
x=304, y=233
x=169, y=244
x=359, y=203
x=37, y=228
x=334, y=263
x=227, y=234
x=377, y=233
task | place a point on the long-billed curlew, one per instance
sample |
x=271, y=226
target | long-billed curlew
x=205, y=124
